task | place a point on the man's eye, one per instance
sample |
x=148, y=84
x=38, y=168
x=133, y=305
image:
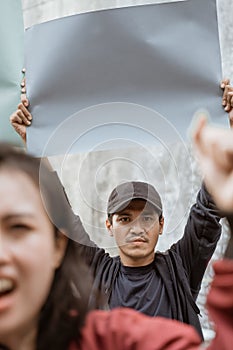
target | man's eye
x=148, y=218
x=124, y=219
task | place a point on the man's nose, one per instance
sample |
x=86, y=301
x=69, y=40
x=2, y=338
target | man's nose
x=137, y=227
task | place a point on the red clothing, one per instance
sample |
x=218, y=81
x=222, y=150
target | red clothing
x=126, y=329
x=220, y=305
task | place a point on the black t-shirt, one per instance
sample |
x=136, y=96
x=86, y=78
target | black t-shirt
x=142, y=289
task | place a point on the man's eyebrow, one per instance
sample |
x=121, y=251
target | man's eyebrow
x=124, y=212
x=148, y=211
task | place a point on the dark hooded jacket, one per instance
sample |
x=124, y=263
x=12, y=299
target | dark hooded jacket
x=181, y=267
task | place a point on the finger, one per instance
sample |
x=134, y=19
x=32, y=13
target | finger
x=23, y=93
x=225, y=93
x=228, y=102
x=224, y=82
x=227, y=97
x=16, y=119
x=24, y=119
x=24, y=100
x=230, y=99
x=23, y=111
x=23, y=82
x=228, y=93
x=23, y=86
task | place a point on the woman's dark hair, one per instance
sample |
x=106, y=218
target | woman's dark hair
x=65, y=309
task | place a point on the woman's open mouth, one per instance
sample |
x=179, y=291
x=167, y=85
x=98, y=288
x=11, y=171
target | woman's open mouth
x=6, y=286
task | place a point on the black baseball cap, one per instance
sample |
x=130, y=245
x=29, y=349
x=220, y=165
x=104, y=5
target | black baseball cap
x=123, y=194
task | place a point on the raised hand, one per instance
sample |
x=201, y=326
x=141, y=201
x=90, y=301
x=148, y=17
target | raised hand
x=22, y=118
x=214, y=149
x=227, y=99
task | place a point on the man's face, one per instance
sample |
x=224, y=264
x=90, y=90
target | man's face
x=136, y=230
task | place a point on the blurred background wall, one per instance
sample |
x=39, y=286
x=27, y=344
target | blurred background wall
x=89, y=178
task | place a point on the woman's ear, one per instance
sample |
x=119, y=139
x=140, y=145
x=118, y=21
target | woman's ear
x=61, y=242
